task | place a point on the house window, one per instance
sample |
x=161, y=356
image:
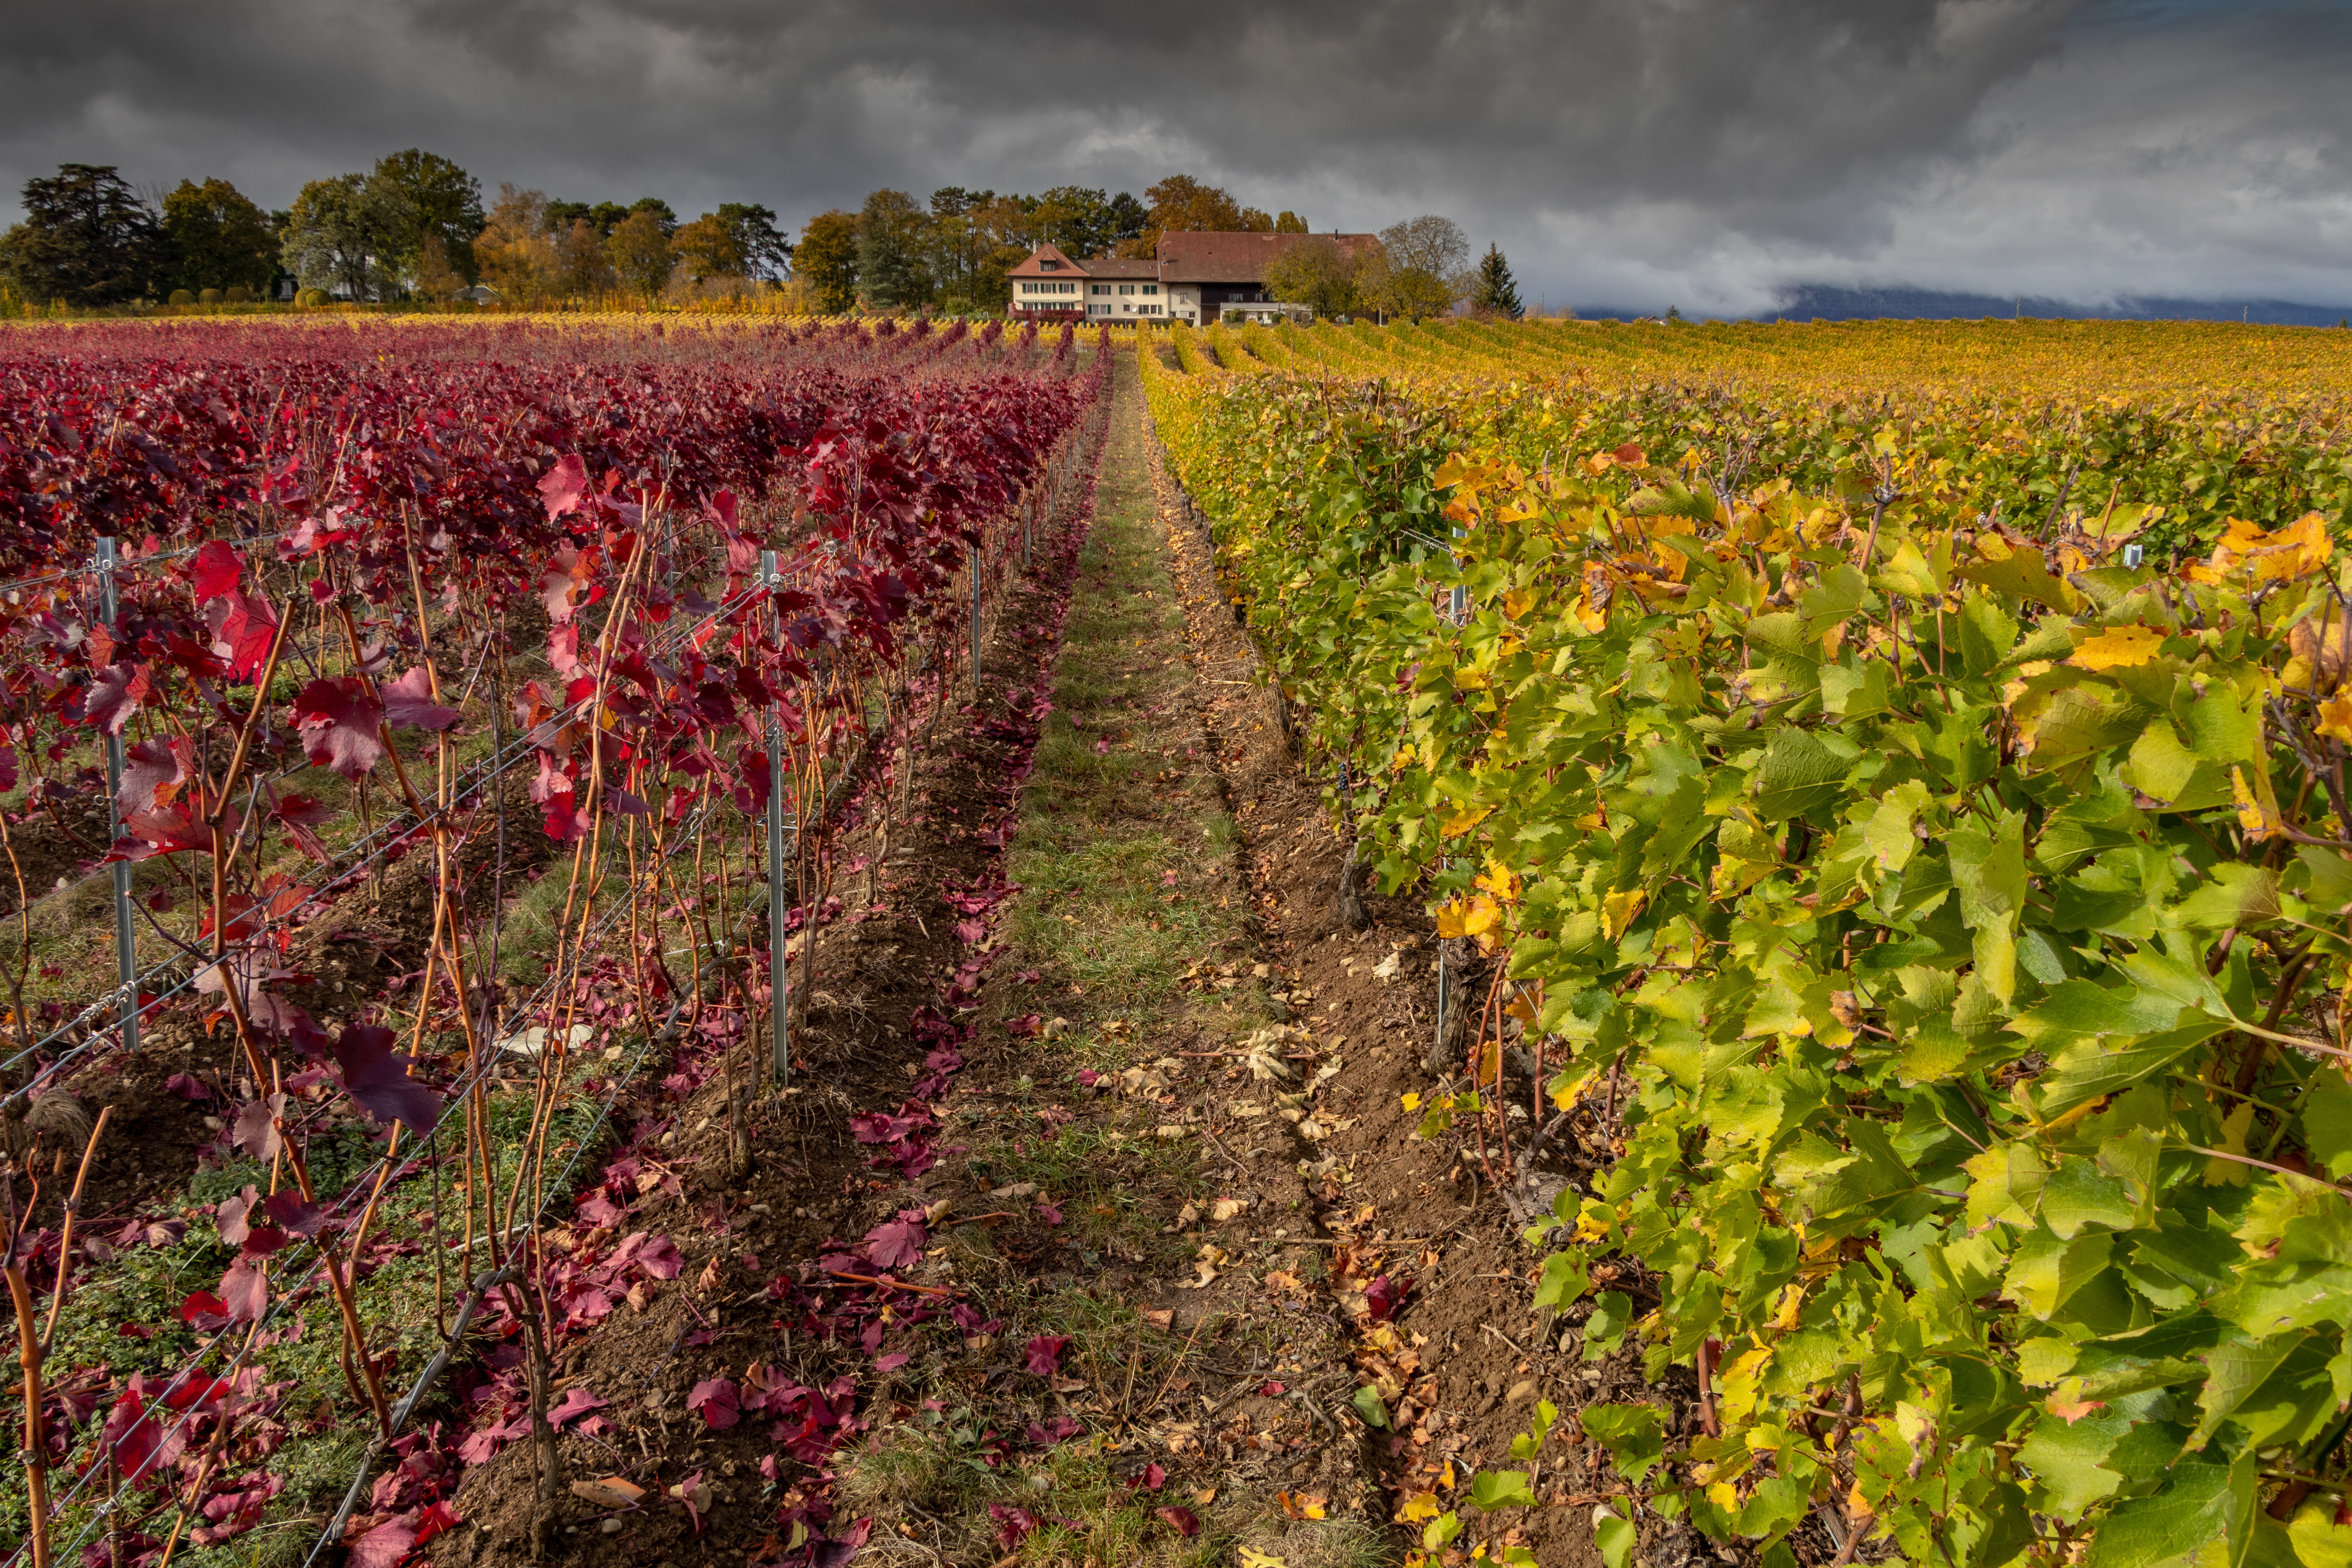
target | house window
x=1100, y=288
x=1126, y=288
x=1151, y=288
x=1048, y=266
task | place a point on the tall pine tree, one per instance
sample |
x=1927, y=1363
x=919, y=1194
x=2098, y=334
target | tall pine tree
x=1497, y=289
x=88, y=238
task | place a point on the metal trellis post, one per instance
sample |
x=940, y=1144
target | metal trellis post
x=975, y=623
x=1458, y=598
x=1445, y=995
x=778, y=966
x=126, y=956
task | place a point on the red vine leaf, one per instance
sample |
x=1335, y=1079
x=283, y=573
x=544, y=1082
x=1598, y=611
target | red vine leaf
x=339, y=718
x=256, y=1130
x=656, y=1255
x=408, y=703
x=243, y=628
x=233, y=1215
x=386, y=1545
x=135, y=1436
x=286, y=1208
x=245, y=1291
x=1384, y=1295
x=217, y=570
x=715, y=1400
x=1013, y=1525
x=898, y=1245
x=377, y=1078
x=113, y=695
x=203, y=1309
x=154, y=771
x=576, y=1402
x=564, y=486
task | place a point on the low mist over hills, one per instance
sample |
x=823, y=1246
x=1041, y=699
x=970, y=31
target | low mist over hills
x=1829, y=303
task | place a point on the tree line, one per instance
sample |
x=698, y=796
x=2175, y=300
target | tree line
x=413, y=227
x=1418, y=267
x=416, y=227
x=953, y=253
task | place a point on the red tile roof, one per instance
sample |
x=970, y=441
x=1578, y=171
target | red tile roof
x=1204, y=257
x=1030, y=268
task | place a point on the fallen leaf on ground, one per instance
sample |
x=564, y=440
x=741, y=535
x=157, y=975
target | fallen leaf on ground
x=611, y=1492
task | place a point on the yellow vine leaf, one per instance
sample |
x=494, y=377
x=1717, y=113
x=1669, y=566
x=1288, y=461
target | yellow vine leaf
x=1566, y=1095
x=2321, y=650
x=1499, y=880
x=1617, y=909
x=2335, y=719
x=2013, y=689
x=2117, y=647
x=2258, y=811
x=1464, y=820
x=1793, y=1305
x=2296, y=551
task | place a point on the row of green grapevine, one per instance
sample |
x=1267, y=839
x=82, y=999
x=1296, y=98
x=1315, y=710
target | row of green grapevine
x=1966, y=902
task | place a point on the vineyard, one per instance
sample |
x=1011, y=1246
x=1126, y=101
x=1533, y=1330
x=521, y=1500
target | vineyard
x=1881, y=790
x=456, y=725
x=762, y=940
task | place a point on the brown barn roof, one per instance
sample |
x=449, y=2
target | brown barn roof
x=1097, y=267
x=1120, y=266
x=1188, y=257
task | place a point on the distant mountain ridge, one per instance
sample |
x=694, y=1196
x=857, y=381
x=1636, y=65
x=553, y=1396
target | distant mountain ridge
x=1808, y=301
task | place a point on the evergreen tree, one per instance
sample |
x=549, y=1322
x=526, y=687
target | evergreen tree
x=893, y=271
x=1497, y=289
x=87, y=239
x=752, y=230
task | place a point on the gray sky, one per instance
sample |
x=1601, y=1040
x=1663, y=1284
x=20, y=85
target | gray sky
x=1637, y=153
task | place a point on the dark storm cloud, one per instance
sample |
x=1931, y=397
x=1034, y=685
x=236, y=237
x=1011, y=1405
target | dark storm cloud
x=1635, y=151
